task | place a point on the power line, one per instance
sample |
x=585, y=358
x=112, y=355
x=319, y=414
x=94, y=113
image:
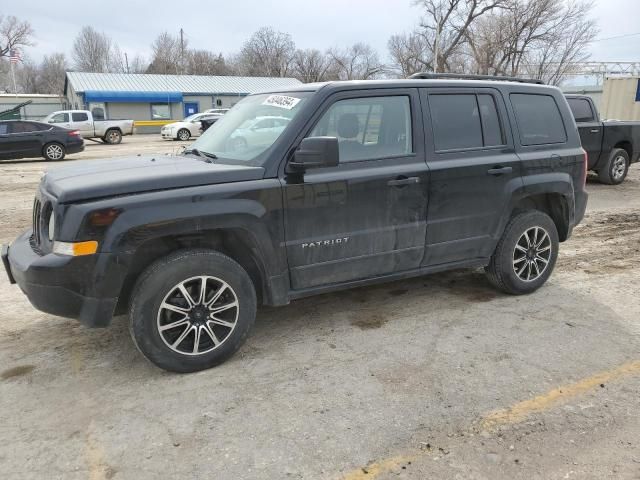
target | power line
x=617, y=36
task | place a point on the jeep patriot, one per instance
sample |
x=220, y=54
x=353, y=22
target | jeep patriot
x=338, y=185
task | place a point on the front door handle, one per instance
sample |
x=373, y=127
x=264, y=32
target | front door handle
x=595, y=130
x=402, y=181
x=499, y=171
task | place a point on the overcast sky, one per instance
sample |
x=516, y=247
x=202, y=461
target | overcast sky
x=222, y=26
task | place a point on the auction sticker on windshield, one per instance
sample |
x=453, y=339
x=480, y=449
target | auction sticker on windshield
x=281, y=101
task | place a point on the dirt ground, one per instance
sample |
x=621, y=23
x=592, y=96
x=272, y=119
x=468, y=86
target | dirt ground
x=434, y=377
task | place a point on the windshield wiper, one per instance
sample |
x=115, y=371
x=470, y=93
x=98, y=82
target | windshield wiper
x=199, y=153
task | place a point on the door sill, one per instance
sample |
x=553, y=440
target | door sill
x=307, y=292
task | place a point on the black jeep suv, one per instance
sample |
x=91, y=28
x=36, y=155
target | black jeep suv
x=304, y=191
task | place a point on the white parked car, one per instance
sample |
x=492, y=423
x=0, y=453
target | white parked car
x=257, y=132
x=217, y=111
x=187, y=128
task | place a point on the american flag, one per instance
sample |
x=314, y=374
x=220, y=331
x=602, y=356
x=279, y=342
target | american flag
x=14, y=55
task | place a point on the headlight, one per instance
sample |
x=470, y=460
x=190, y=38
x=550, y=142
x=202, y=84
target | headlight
x=52, y=226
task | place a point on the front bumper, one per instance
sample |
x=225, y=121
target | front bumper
x=85, y=288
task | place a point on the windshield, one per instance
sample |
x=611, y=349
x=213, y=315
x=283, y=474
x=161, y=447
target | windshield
x=250, y=127
x=191, y=118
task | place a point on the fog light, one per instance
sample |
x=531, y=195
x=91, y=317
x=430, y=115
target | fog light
x=75, y=249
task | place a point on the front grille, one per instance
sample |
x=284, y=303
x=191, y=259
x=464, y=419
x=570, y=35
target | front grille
x=37, y=221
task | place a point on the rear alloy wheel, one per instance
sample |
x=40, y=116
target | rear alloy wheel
x=184, y=134
x=113, y=137
x=525, y=255
x=54, y=151
x=614, y=171
x=192, y=310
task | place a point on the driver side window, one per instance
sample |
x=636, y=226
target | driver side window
x=368, y=128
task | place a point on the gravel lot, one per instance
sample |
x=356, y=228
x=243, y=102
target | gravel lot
x=434, y=377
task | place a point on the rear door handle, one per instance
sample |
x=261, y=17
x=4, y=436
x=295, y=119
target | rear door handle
x=500, y=171
x=595, y=130
x=402, y=181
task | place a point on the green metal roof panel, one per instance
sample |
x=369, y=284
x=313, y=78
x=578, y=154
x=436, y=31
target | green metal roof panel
x=187, y=84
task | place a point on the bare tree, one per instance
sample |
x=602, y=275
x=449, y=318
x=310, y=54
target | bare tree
x=92, y=51
x=204, y=62
x=312, y=65
x=540, y=38
x=358, y=62
x=165, y=56
x=267, y=53
x=52, y=73
x=13, y=33
x=445, y=24
x=409, y=54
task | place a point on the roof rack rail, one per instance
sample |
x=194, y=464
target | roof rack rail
x=460, y=76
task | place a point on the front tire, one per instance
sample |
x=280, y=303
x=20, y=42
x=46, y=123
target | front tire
x=526, y=254
x=54, y=151
x=614, y=171
x=192, y=310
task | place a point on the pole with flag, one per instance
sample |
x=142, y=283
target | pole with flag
x=14, y=57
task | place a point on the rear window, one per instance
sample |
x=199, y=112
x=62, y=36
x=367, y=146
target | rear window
x=463, y=121
x=539, y=119
x=79, y=117
x=581, y=109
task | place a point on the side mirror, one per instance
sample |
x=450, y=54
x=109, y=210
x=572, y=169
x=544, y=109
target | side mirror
x=316, y=152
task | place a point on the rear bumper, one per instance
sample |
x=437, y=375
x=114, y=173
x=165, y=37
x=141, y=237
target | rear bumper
x=581, y=206
x=75, y=147
x=84, y=288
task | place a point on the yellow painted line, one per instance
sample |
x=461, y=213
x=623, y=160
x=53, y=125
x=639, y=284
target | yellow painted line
x=520, y=411
x=375, y=469
x=512, y=415
x=152, y=123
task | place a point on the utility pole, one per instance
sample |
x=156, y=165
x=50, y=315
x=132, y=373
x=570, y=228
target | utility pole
x=126, y=61
x=181, y=50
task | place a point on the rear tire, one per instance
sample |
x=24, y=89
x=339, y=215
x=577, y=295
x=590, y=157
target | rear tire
x=526, y=254
x=218, y=328
x=614, y=171
x=54, y=151
x=112, y=137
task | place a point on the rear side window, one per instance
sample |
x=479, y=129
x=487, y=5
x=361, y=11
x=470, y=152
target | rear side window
x=79, y=117
x=539, y=119
x=23, y=127
x=4, y=128
x=581, y=109
x=462, y=121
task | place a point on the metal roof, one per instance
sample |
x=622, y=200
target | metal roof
x=187, y=84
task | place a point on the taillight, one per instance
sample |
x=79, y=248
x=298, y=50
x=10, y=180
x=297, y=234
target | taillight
x=585, y=167
x=74, y=133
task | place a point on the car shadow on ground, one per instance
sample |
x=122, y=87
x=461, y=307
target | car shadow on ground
x=453, y=308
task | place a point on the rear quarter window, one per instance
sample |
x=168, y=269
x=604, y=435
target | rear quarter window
x=539, y=119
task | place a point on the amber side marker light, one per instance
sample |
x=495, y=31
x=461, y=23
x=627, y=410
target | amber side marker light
x=75, y=249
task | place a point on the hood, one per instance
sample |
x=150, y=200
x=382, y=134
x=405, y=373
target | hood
x=105, y=178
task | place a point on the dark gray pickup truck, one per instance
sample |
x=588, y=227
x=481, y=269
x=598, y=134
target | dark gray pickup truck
x=611, y=145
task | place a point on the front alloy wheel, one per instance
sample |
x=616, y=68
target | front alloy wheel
x=198, y=315
x=191, y=310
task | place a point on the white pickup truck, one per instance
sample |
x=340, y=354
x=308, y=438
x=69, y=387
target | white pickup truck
x=109, y=131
